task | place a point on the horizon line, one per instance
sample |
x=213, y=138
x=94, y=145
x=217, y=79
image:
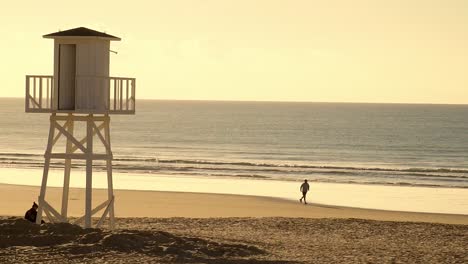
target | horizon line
x=271, y=101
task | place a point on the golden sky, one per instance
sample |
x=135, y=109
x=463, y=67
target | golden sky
x=411, y=51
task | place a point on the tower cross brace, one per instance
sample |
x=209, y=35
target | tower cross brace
x=63, y=126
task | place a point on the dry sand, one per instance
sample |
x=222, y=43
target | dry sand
x=235, y=240
x=165, y=227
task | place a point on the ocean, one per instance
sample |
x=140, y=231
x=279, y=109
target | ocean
x=371, y=144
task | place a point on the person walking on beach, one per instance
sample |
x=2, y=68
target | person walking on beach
x=304, y=189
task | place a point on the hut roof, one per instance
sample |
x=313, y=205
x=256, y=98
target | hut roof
x=81, y=32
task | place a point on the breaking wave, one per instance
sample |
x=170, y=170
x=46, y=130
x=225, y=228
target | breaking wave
x=429, y=177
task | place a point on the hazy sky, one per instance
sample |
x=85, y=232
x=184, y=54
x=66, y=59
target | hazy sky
x=413, y=51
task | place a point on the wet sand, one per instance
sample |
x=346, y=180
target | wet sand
x=16, y=199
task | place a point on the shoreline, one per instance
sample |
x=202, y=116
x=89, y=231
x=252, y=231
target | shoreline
x=388, y=198
x=164, y=204
x=253, y=178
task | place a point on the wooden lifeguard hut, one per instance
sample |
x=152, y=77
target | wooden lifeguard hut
x=80, y=94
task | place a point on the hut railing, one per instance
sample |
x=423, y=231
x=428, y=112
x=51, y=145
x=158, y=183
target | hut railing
x=117, y=95
x=39, y=93
x=121, y=94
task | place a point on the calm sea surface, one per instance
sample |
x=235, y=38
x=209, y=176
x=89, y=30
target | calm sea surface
x=389, y=144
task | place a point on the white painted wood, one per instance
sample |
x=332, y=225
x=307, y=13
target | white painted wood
x=40, y=93
x=66, y=175
x=35, y=103
x=70, y=137
x=26, y=97
x=49, y=216
x=84, y=139
x=78, y=118
x=103, y=140
x=105, y=213
x=79, y=156
x=45, y=173
x=47, y=93
x=119, y=95
x=92, y=65
x=59, y=135
x=34, y=89
x=92, y=72
x=133, y=95
x=110, y=185
x=80, y=85
x=126, y=94
x=67, y=129
x=53, y=211
x=55, y=76
x=89, y=171
x=92, y=212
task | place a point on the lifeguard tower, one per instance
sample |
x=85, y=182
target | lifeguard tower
x=80, y=94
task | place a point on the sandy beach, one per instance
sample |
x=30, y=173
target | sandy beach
x=130, y=203
x=188, y=131
x=172, y=227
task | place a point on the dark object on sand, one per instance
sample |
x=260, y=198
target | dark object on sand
x=31, y=214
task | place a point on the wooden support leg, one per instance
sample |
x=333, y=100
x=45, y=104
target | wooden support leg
x=110, y=187
x=45, y=174
x=42, y=194
x=89, y=170
x=66, y=175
